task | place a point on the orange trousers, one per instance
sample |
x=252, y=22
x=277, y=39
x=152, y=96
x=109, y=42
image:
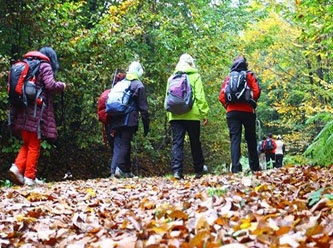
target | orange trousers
x=27, y=158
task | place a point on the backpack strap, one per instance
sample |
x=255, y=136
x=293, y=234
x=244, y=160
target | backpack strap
x=114, y=78
x=193, y=88
x=39, y=92
x=39, y=133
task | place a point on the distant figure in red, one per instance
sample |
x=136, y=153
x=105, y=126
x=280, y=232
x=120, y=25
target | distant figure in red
x=269, y=148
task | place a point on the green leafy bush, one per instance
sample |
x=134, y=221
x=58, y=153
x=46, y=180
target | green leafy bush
x=321, y=150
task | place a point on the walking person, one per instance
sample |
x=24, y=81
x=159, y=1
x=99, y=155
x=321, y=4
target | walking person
x=189, y=122
x=241, y=113
x=261, y=154
x=36, y=123
x=269, y=148
x=110, y=134
x=126, y=125
x=107, y=132
x=279, y=152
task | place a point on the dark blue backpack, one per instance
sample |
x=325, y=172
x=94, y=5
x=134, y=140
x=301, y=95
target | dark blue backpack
x=268, y=145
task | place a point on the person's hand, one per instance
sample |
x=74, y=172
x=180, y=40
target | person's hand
x=205, y=122
x=145, y=126
x=64, y=85
x=112, y=133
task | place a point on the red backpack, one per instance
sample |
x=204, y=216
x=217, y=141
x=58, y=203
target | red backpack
x=101, y=113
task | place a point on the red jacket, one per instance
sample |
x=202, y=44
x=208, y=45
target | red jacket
x=274, y=145
x=241, y=106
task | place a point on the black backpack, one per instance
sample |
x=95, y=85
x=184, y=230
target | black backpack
x=22, y=78
x=236, y=89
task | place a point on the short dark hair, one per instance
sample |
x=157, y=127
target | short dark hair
x=241, y=59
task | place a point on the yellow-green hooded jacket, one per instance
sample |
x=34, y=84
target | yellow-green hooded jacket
x=200, y=107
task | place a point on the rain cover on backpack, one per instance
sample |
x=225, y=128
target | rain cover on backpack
x=236, y=89
x=119, y=101
x=179, y=99
x=101, y=108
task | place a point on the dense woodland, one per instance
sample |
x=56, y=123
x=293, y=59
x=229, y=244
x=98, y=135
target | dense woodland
x=288, y=44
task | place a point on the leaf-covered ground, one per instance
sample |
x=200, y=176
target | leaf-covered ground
x=289, y=207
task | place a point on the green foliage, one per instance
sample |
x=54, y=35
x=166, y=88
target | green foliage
x=5, y=183
x=318, y=195
x=321, y=150
x=216, y=192
x=13, y=146
x=293, y=68
x=296, y=159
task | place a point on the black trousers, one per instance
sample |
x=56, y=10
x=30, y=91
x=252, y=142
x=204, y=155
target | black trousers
x=179, y=129
x=278, y=160
x=236, y=120
x=269, y=157
x=123, y=137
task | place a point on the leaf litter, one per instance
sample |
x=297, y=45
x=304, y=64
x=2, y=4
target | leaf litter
x=287, y=207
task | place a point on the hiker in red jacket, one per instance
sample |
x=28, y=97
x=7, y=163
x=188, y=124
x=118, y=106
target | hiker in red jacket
x=242, y=114
x=33, y=126
x=104, y=118
x=270, y=150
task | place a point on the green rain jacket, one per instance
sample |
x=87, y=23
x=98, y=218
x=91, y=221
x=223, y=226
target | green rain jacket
x=200, y=107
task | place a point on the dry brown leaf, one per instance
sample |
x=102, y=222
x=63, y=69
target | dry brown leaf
x=267, y=210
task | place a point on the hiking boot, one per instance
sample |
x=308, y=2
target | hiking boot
x=198, y=175
x=120, y=174
x=68, y=175
x=15, y=176
x=30, y=182
x=178, y=175
x=39, y=182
